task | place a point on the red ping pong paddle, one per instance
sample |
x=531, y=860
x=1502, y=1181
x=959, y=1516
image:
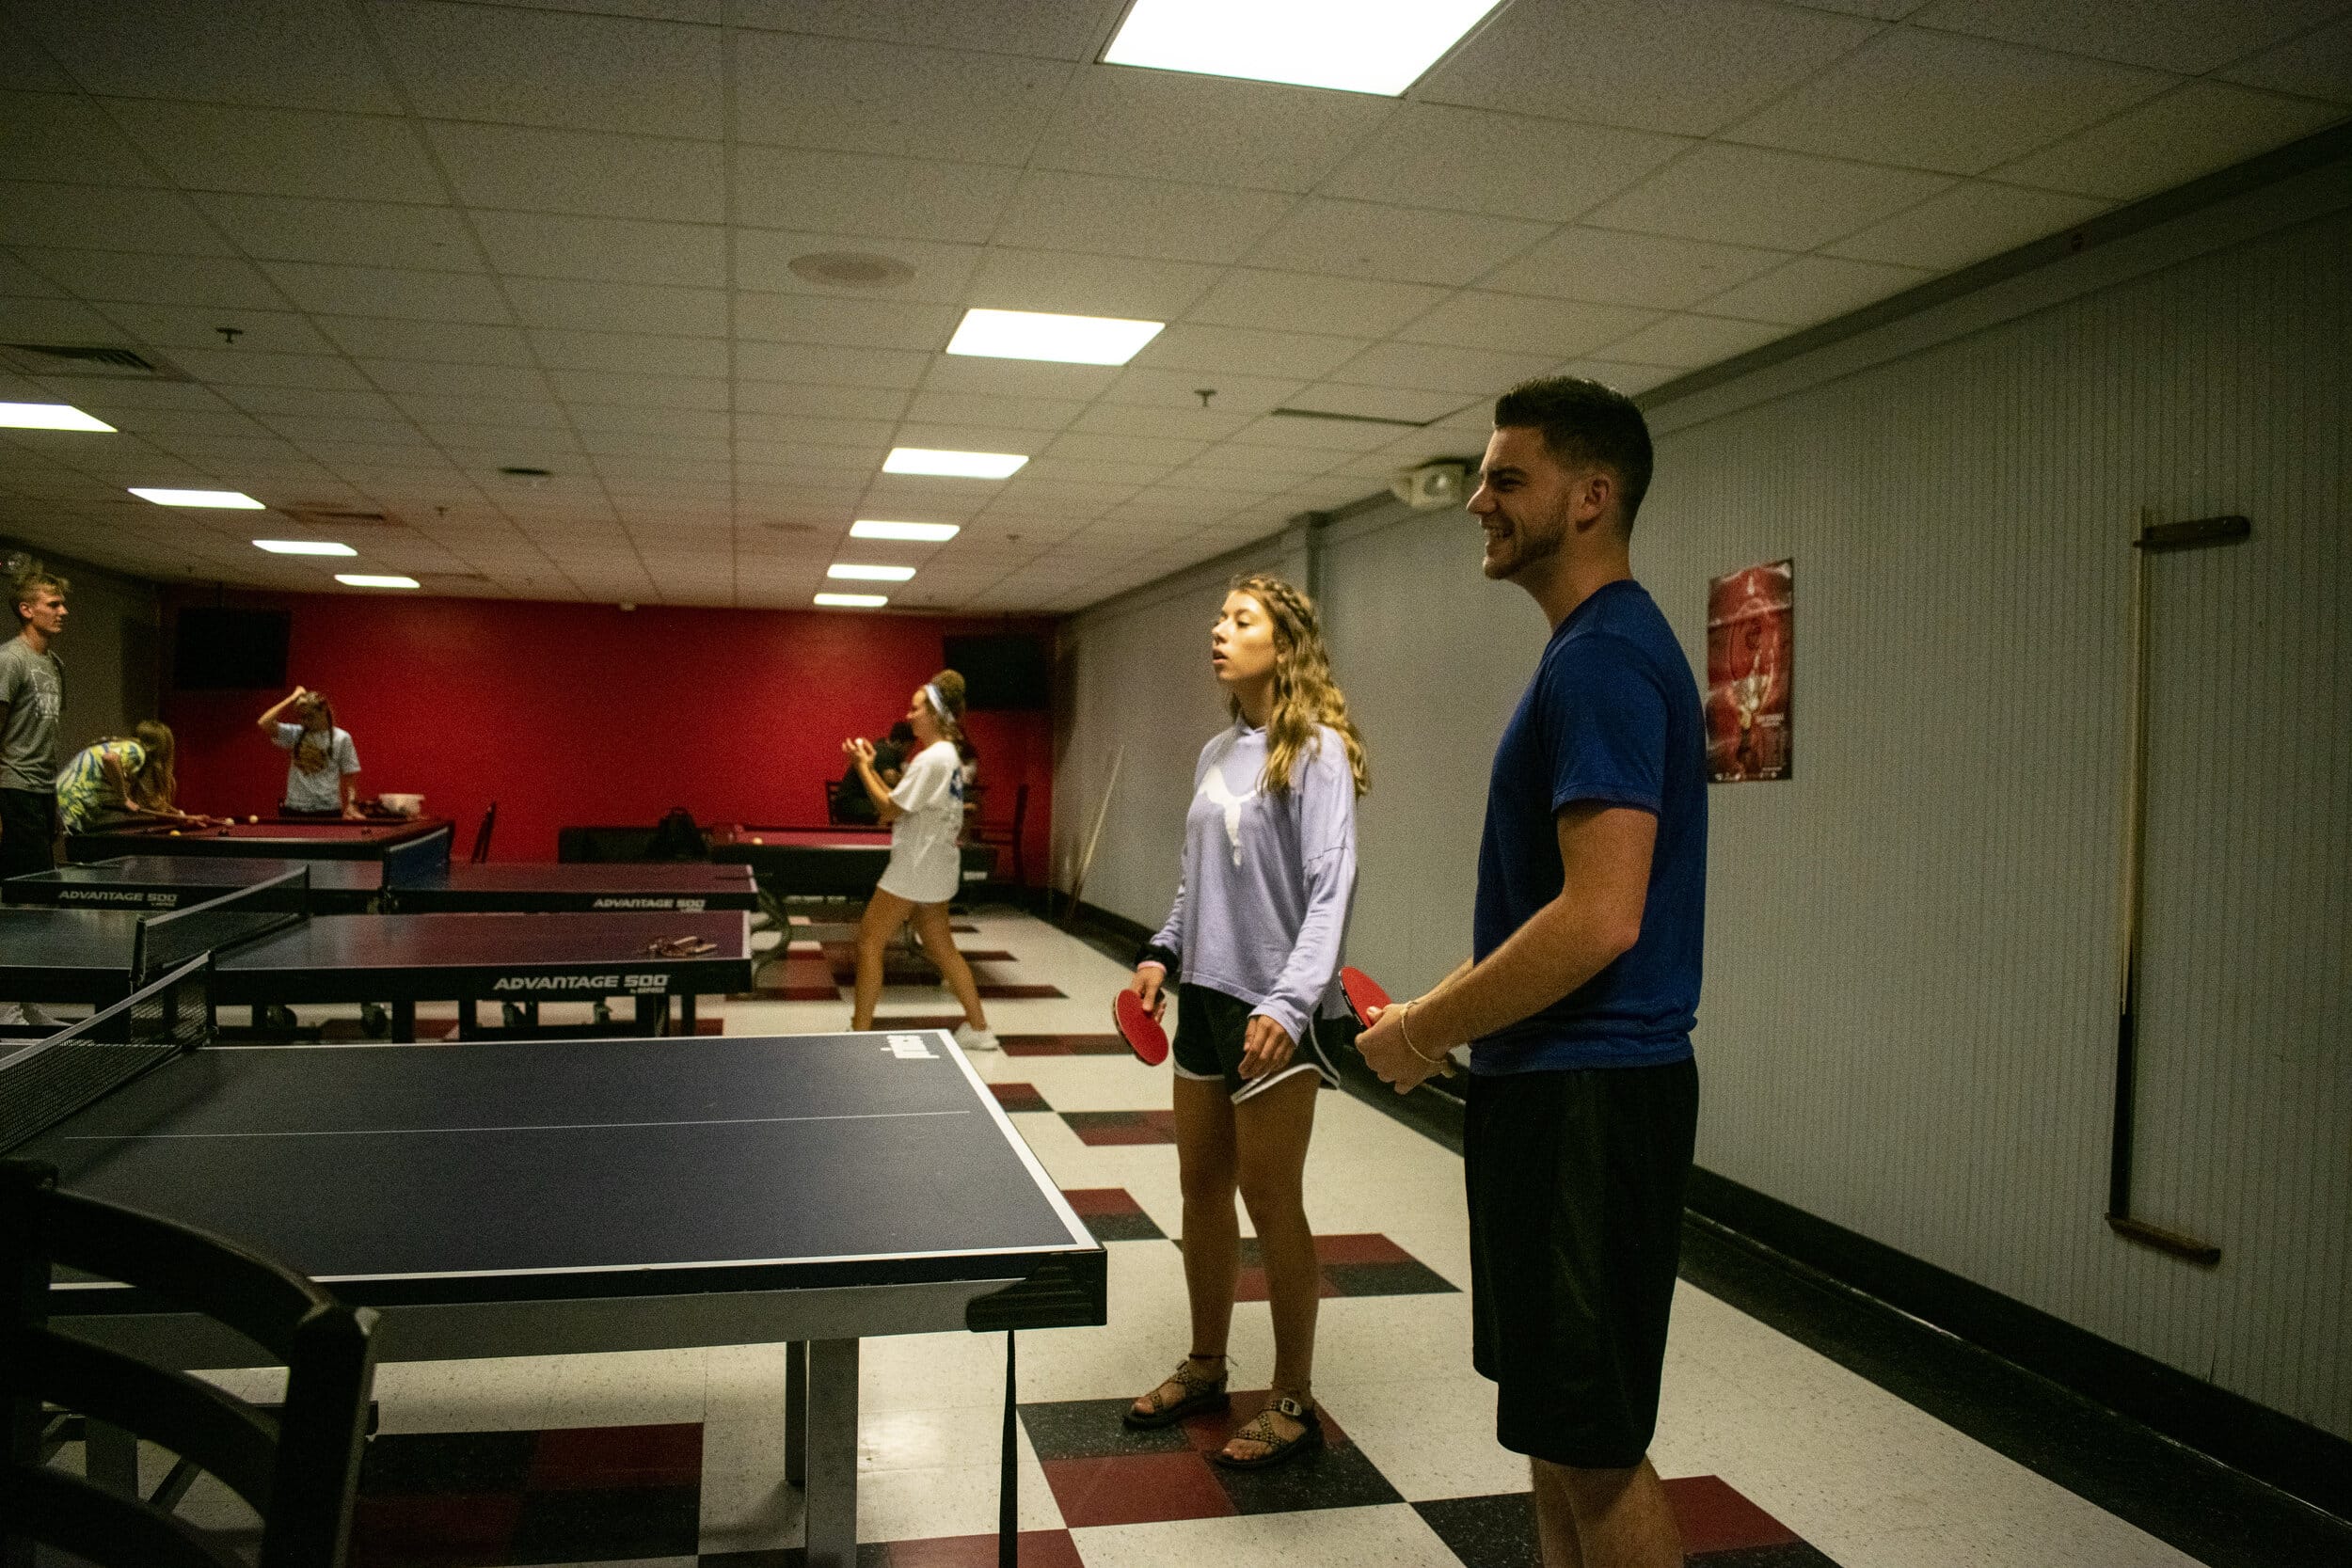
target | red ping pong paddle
x=1364, y=994
x=1139, y=1029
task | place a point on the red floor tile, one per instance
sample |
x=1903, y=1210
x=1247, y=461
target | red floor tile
x=1038, y=1548
x=1137, y=1489
x=571, y=1457
x=1100, y=1201
x=446, y=1531
x=1716, y=1518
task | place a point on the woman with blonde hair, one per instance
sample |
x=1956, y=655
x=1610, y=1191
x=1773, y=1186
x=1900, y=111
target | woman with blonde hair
x=924, y=810
x=1270, y=869
x=123, y=778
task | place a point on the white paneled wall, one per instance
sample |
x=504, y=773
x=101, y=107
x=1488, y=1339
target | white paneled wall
x=1908, y=1026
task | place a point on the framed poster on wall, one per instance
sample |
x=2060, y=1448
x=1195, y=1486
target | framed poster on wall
x=1751, y=667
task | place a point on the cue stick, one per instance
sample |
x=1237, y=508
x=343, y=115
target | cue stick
x=1086, y=862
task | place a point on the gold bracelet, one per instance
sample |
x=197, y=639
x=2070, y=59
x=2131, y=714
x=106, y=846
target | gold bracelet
x=1406, y=1030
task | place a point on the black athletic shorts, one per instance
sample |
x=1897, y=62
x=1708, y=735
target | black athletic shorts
x=1211, y=1027
x=1575, y=1181
x=28, y=828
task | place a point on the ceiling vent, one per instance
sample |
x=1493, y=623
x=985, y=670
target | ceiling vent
x=110, y=361
x=320, y=516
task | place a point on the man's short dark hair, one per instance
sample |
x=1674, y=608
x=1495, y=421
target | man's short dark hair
x=1585, y=423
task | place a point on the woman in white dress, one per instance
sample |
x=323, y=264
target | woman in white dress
x=924, y=812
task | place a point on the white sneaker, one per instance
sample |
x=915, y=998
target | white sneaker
x=974, y=1039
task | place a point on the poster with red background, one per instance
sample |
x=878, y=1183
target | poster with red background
x=1750, y=666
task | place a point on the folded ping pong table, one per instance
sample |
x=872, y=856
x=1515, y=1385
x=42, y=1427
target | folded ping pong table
x=267, y=951
x=545, y=1198
x=358, y=887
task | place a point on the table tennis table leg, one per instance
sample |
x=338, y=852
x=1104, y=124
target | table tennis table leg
x=469, y=1021
x=796, y=1413
x=829, y=1502
x=686, y=1013
x=405, y=1021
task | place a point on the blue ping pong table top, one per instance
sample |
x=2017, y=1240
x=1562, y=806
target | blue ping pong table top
x=515, y=1171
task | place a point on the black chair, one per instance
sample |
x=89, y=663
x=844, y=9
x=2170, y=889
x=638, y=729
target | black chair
x=482, y=835
x=297, y=1465
x=1009, y=833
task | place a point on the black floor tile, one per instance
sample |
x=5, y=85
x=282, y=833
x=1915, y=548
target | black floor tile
x=410, y=1462
x=1091, y=1429
x=1340, y=1477
x=1486, y=1532
x=584, y=1526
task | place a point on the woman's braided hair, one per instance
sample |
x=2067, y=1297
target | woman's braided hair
x=1305, y=693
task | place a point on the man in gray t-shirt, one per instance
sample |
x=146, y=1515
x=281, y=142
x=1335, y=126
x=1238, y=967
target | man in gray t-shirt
x=32, y=693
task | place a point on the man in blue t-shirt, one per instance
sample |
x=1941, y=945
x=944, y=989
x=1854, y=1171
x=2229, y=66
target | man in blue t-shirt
x=1583, y=986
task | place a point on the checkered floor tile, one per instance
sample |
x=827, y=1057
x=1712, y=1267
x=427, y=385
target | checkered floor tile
x=1113, y=1214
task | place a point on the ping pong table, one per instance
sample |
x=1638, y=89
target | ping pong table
x=545, y=1198
x=414, y=842
x=267, y=951
x=822, y=863
x=357, y=887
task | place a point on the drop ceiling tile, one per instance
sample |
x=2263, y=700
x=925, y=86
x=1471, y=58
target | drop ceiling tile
x=1522, y=324
x=1939, y=100
x=1191, y=345
x=398, y=376
x=1511, y=165
x=225, y=368
x=437, y=297
x=1688, y=342
x=1814, y=288
x=2169, y=37
x=446, y=409
x=282, y=152
x=292, y=54
x=2317, y=65
x=639, y=391
x=1406, y=245
x=1084, y=447
x=214, y=281
x=782, y=397
x=572, y=305
x=1437, y=368
x=763, y=261
x=1171, y=125
x=18, y=280
x=55, y=135
x=847, y=323
x=1611, y=267
x=630, y=353
x=376, y=233
x=578, y=73
x=1757, y=195
x=1072, y=284
x=859, y=194
x=1188, y=424
x=648, y=419
x=101, y=218
x=1378, y=402
x=966, y=437
x=824, y=365
x=1301, y=301
x=621, y=443
x=172, y=327
x=1967, y=224
x=293, y=400
x=613, y=250
x=1017, y=378
x=307, y=428
x=869, y=434
x=1255, y=460
x=857, y=95
x=580, y=171
x=1092, y=470
x=1178, y=390
x=1690, y=67
x=2202, y=127
x=936, y=407
x=1105, y=214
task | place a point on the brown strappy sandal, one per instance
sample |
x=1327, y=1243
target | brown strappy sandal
x=1200, y=1393
x=1279, y=1449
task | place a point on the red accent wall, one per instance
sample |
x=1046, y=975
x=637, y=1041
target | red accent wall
x=571, y=713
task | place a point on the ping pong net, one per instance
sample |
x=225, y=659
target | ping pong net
x=43, y=1083
x=167, y=942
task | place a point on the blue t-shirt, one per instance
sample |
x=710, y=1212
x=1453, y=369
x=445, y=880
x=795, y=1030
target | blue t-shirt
x=1611, y=717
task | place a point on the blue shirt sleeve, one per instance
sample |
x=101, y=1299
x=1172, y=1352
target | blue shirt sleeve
x=1604, y=725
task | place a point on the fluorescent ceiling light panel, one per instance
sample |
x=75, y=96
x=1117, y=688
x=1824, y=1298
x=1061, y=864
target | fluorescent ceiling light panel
x=853, y=601
x=49, y=416
x=303, y=546
x=1064, y=340
x=952, y=465
x=841, y=570
x=234, y=500
x=921, y=533
x=373, y=579
x=1379, y=46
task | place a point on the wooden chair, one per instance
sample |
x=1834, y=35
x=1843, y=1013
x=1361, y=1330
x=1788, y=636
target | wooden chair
x=482, y=835
x=298, y=1465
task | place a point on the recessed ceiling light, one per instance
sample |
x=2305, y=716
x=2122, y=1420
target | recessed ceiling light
x=923, y=533
x=303, y=546
x=49, y=416
x=1354, y=45
x=1065, y=339
x=236, y=500
x=853, y=601
x=374, y=579
x=868, y=573
x=952, y=465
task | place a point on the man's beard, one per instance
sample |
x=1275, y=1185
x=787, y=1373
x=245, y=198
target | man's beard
x=1530, y=548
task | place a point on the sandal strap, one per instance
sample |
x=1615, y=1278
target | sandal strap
x=1193, y=1383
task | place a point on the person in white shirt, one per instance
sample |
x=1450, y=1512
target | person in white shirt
x=924, y=812
x=322, y=761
